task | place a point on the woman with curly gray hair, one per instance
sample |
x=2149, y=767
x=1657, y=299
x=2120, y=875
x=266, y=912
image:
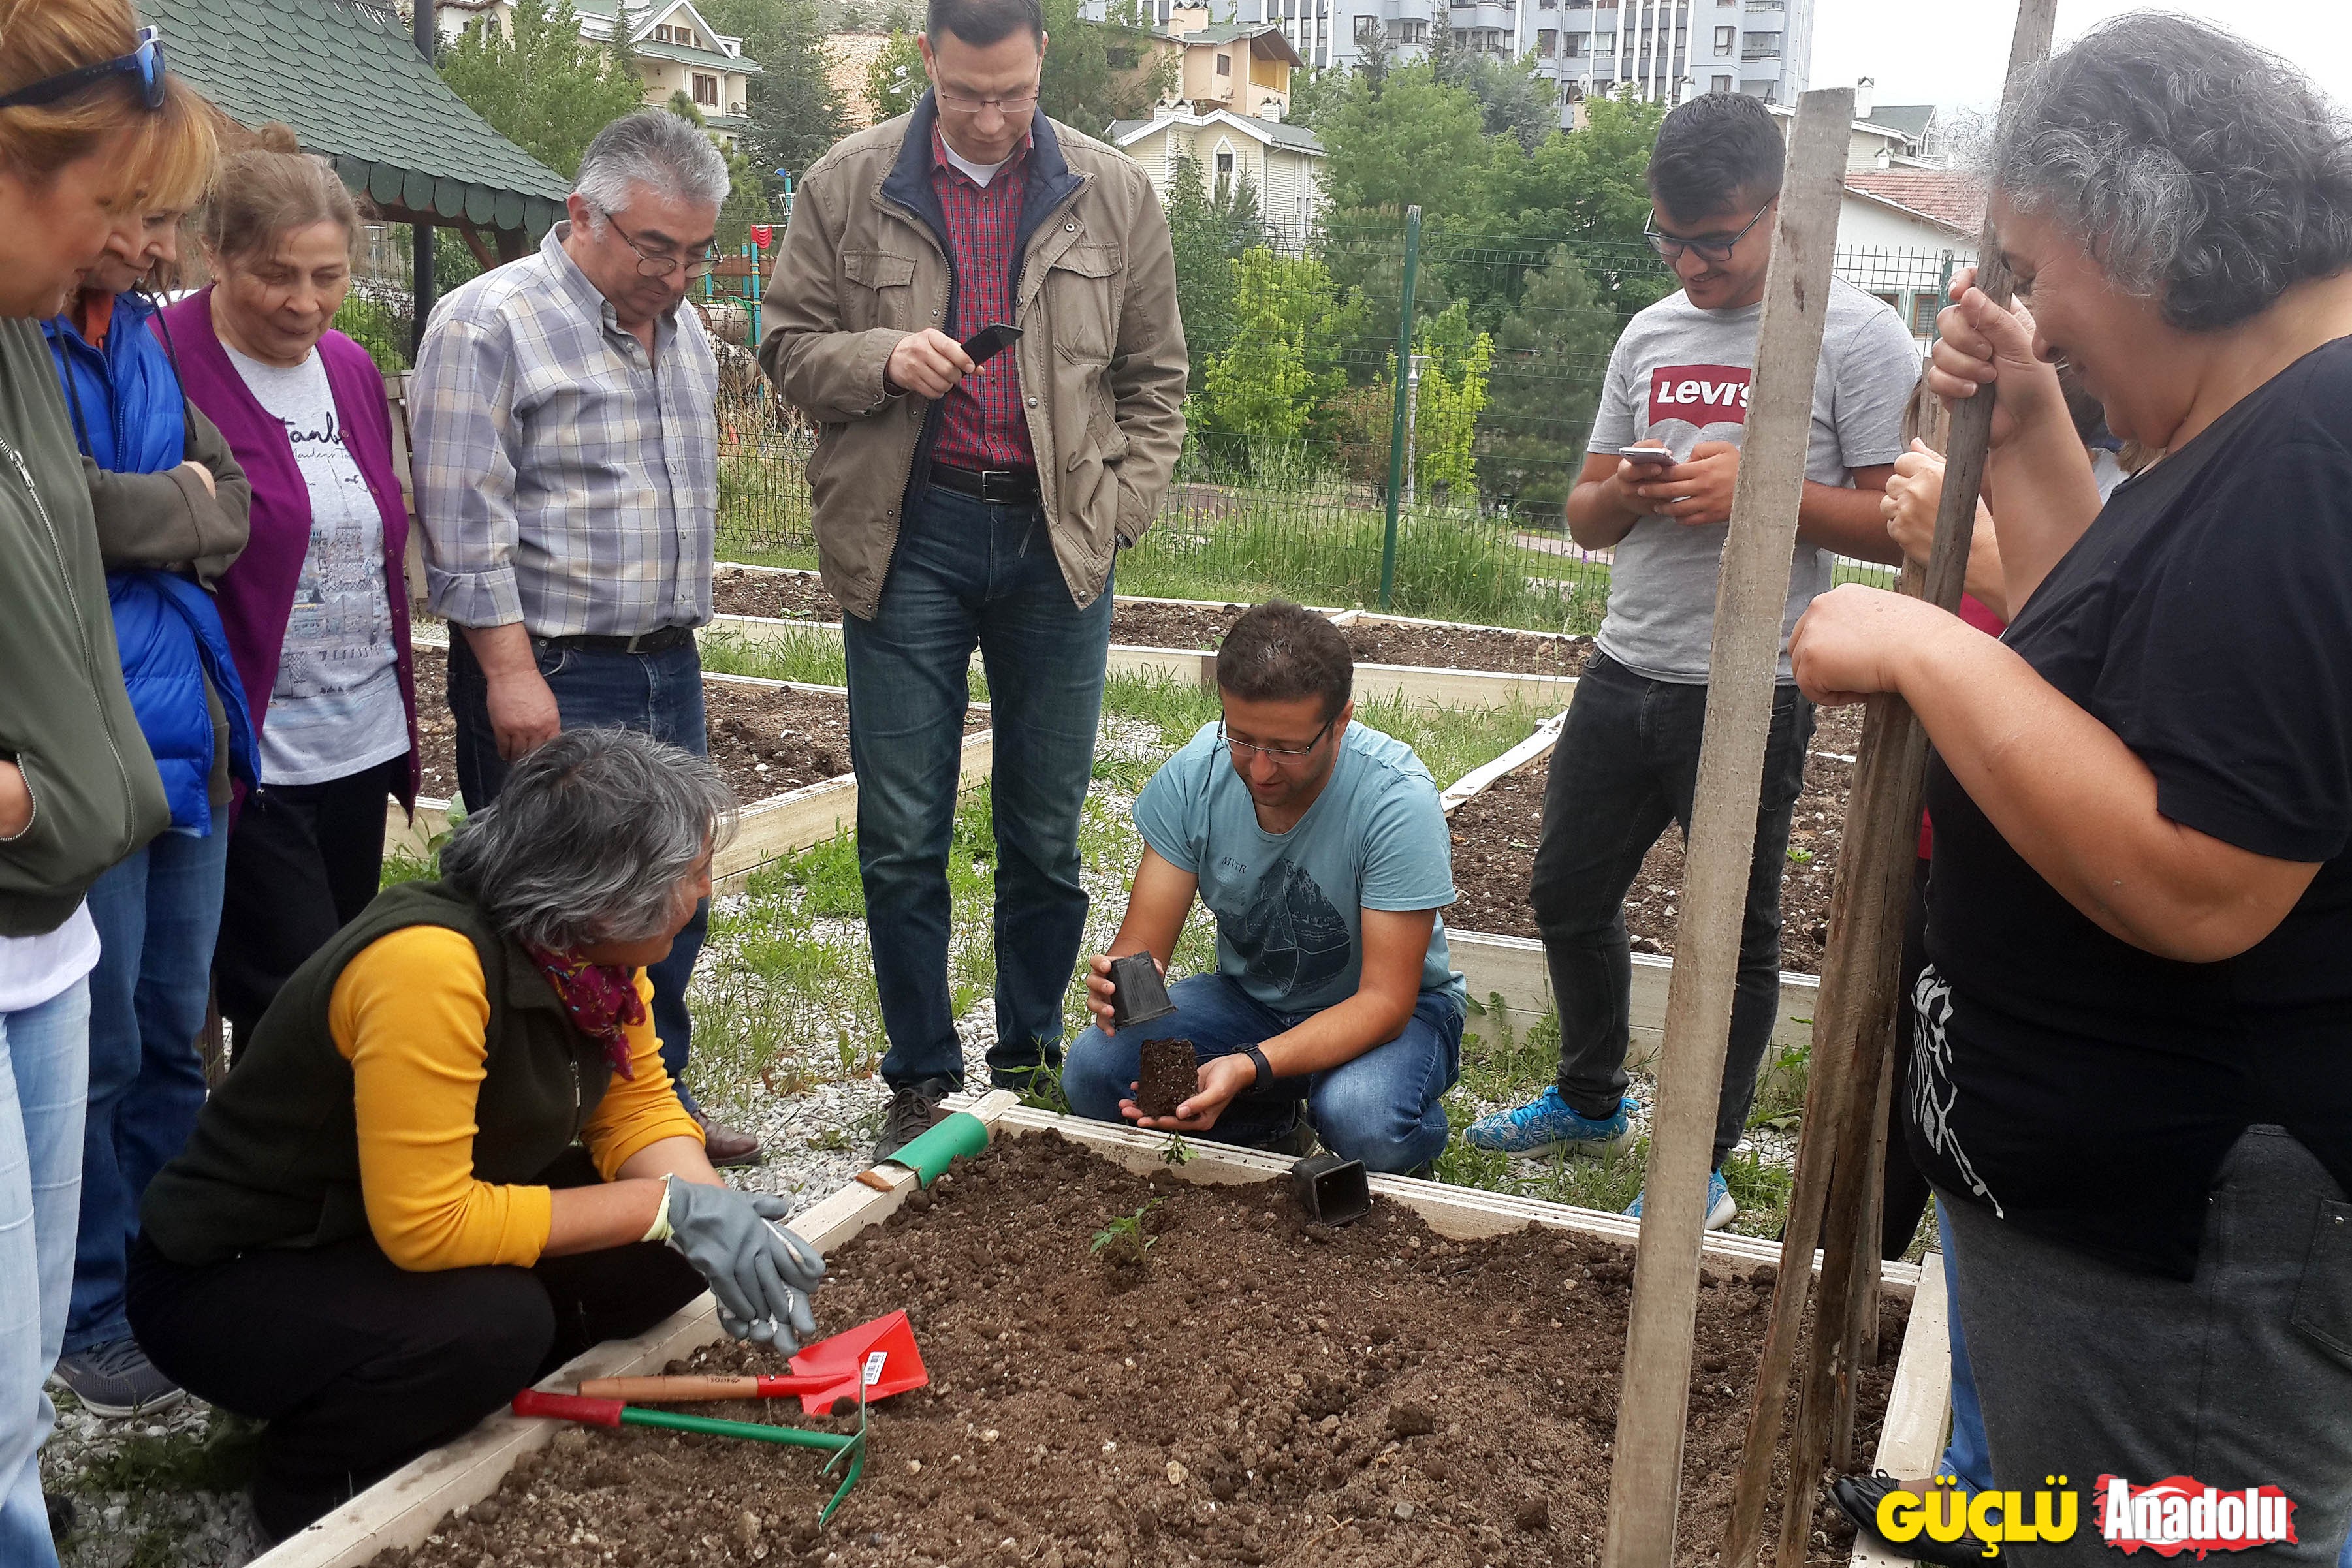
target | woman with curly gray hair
x=383, y=1227
x=2133, y=1080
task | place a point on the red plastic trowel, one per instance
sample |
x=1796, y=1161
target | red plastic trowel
x=826, y=1375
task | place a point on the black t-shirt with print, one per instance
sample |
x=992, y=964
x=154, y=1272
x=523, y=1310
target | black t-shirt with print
x=2082, y=1088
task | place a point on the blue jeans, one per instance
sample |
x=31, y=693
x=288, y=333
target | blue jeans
x=44, y=1062
x=971, y=573
x=1627, y=766
x=157, y=914
x=1964, y=1456
x=660, y=694
x=1383, y=1108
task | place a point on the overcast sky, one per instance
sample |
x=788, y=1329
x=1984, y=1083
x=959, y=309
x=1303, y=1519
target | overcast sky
x=1936, y=51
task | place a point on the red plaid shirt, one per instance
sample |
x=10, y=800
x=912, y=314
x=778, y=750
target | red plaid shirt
x=981, y=421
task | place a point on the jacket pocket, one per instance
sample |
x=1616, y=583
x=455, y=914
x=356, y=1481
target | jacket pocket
x=2322, y=1303
x=880, y=289
x=1082, y=295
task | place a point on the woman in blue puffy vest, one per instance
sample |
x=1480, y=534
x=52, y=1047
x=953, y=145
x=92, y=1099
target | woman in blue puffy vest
x=171, y=505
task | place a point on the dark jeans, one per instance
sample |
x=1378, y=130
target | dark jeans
x=969, y=573
x=1385, y=1107
x=303, y=860
x=660, y=693
x=157, y=913
x=1626, y=766
x=2239, y=1378
x=358, y=1365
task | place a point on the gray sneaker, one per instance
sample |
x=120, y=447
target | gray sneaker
x=116, y=1379
x=911, y=1113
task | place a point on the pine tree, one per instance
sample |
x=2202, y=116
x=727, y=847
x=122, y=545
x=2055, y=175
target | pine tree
x=1550, y=355
x=795, y=110
x=895, y=82
x=538, y=83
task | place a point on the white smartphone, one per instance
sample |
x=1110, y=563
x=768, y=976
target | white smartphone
x=1656, y=455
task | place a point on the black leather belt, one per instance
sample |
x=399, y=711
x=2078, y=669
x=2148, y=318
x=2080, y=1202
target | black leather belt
x=660, y=640
x=1004, y=486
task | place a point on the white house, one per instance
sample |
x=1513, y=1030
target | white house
x=1282, y=161
x=1901, y=232
x=674, y=48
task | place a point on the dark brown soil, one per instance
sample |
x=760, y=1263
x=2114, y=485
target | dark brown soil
x=1170, y=1075
x=765, y=740
x=1172, y=625
x=1267, y=1392
x=1468, y=648
x=782, y=596
x=1494, y=834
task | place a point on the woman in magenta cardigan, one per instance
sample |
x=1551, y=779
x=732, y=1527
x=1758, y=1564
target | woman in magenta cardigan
x=317, y=608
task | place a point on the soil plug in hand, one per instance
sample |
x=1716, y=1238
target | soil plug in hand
x=760, y=1272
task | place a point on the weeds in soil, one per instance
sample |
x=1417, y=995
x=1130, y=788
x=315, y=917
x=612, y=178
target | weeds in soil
x=1043, y=1092
x=1177, y=1152
x=219, y=1460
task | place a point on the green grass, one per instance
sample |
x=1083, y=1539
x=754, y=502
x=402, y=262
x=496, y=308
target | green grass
x=806, y=654
x=221, y=1459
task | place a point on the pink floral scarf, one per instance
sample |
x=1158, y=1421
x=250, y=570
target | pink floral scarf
x=602, y=1000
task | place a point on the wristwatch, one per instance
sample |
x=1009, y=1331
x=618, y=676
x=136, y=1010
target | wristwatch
x=1257, y=1058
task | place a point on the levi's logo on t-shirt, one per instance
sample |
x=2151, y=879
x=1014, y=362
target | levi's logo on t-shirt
x=1699, y=394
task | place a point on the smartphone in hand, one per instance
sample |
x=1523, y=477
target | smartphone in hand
x=1658, y=456
x=989, y=341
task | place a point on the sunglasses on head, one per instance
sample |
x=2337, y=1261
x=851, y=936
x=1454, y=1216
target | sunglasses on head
x=145, y=62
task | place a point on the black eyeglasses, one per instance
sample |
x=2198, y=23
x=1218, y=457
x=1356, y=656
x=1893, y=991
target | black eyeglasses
x=1283, y=755
x=145, y=62
x=655, y=263
x=1714, y=250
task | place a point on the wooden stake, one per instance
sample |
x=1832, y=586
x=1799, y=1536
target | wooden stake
x=1653, y=1410
x=1860, y=970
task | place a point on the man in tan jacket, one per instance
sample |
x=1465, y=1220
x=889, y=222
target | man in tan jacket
x=963, y=504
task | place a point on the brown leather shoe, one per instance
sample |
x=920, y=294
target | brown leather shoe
x=725, y=1145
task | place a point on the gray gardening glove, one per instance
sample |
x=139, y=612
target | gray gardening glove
x=760, y=1272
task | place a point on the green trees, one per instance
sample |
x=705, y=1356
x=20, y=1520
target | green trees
x=896, y=80
x=1208, y=231
x=542, y=85
x=796, y=111
x=1095, y=71
x=1414, y=139
x=1271, y=383
x=1550, y=356
x=1451, y=393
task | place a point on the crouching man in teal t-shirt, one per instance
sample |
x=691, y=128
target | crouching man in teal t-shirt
x=1321, y=849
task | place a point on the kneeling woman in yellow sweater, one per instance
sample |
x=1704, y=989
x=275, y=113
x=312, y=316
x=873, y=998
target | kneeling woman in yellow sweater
x=384, y=1226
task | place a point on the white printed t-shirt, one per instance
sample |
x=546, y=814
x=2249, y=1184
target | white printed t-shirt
x=1680, y=375
x=336, y=708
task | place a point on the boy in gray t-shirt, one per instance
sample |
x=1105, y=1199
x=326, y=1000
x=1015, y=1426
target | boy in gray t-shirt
x=1627, y=763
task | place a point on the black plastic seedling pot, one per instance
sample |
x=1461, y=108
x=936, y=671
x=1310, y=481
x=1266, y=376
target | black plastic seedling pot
x=1137, y=993
x=1333, y=1191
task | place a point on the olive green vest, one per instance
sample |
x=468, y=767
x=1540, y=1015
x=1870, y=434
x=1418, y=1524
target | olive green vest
x=274, y=1159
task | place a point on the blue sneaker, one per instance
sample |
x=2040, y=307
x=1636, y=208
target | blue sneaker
x=1547, y=1123
x=1719, y=1206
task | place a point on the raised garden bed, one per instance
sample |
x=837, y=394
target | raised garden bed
x=1434, y=1384
x=782, y=748
x=766, y=738
x=1495, y=833
x=1439, y=644
x=778, y=595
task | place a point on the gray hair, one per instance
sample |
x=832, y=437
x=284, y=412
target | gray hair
x=2198, y=171
x=656, y=149
x=590, y=839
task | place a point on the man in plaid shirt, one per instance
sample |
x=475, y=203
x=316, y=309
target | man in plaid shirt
x=566, y=462
x=963, y=505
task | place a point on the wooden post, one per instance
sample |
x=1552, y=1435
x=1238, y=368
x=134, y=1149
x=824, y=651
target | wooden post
x=1860, y=973
x=1646, y=1477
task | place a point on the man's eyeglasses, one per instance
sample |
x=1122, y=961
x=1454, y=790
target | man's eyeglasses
x=145, y=62
x=661, y=264
x=1712, y=248
x=1010, y=104
x=1281, y=756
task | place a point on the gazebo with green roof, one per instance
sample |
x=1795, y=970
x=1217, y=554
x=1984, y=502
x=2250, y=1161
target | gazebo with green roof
x=347, y=76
